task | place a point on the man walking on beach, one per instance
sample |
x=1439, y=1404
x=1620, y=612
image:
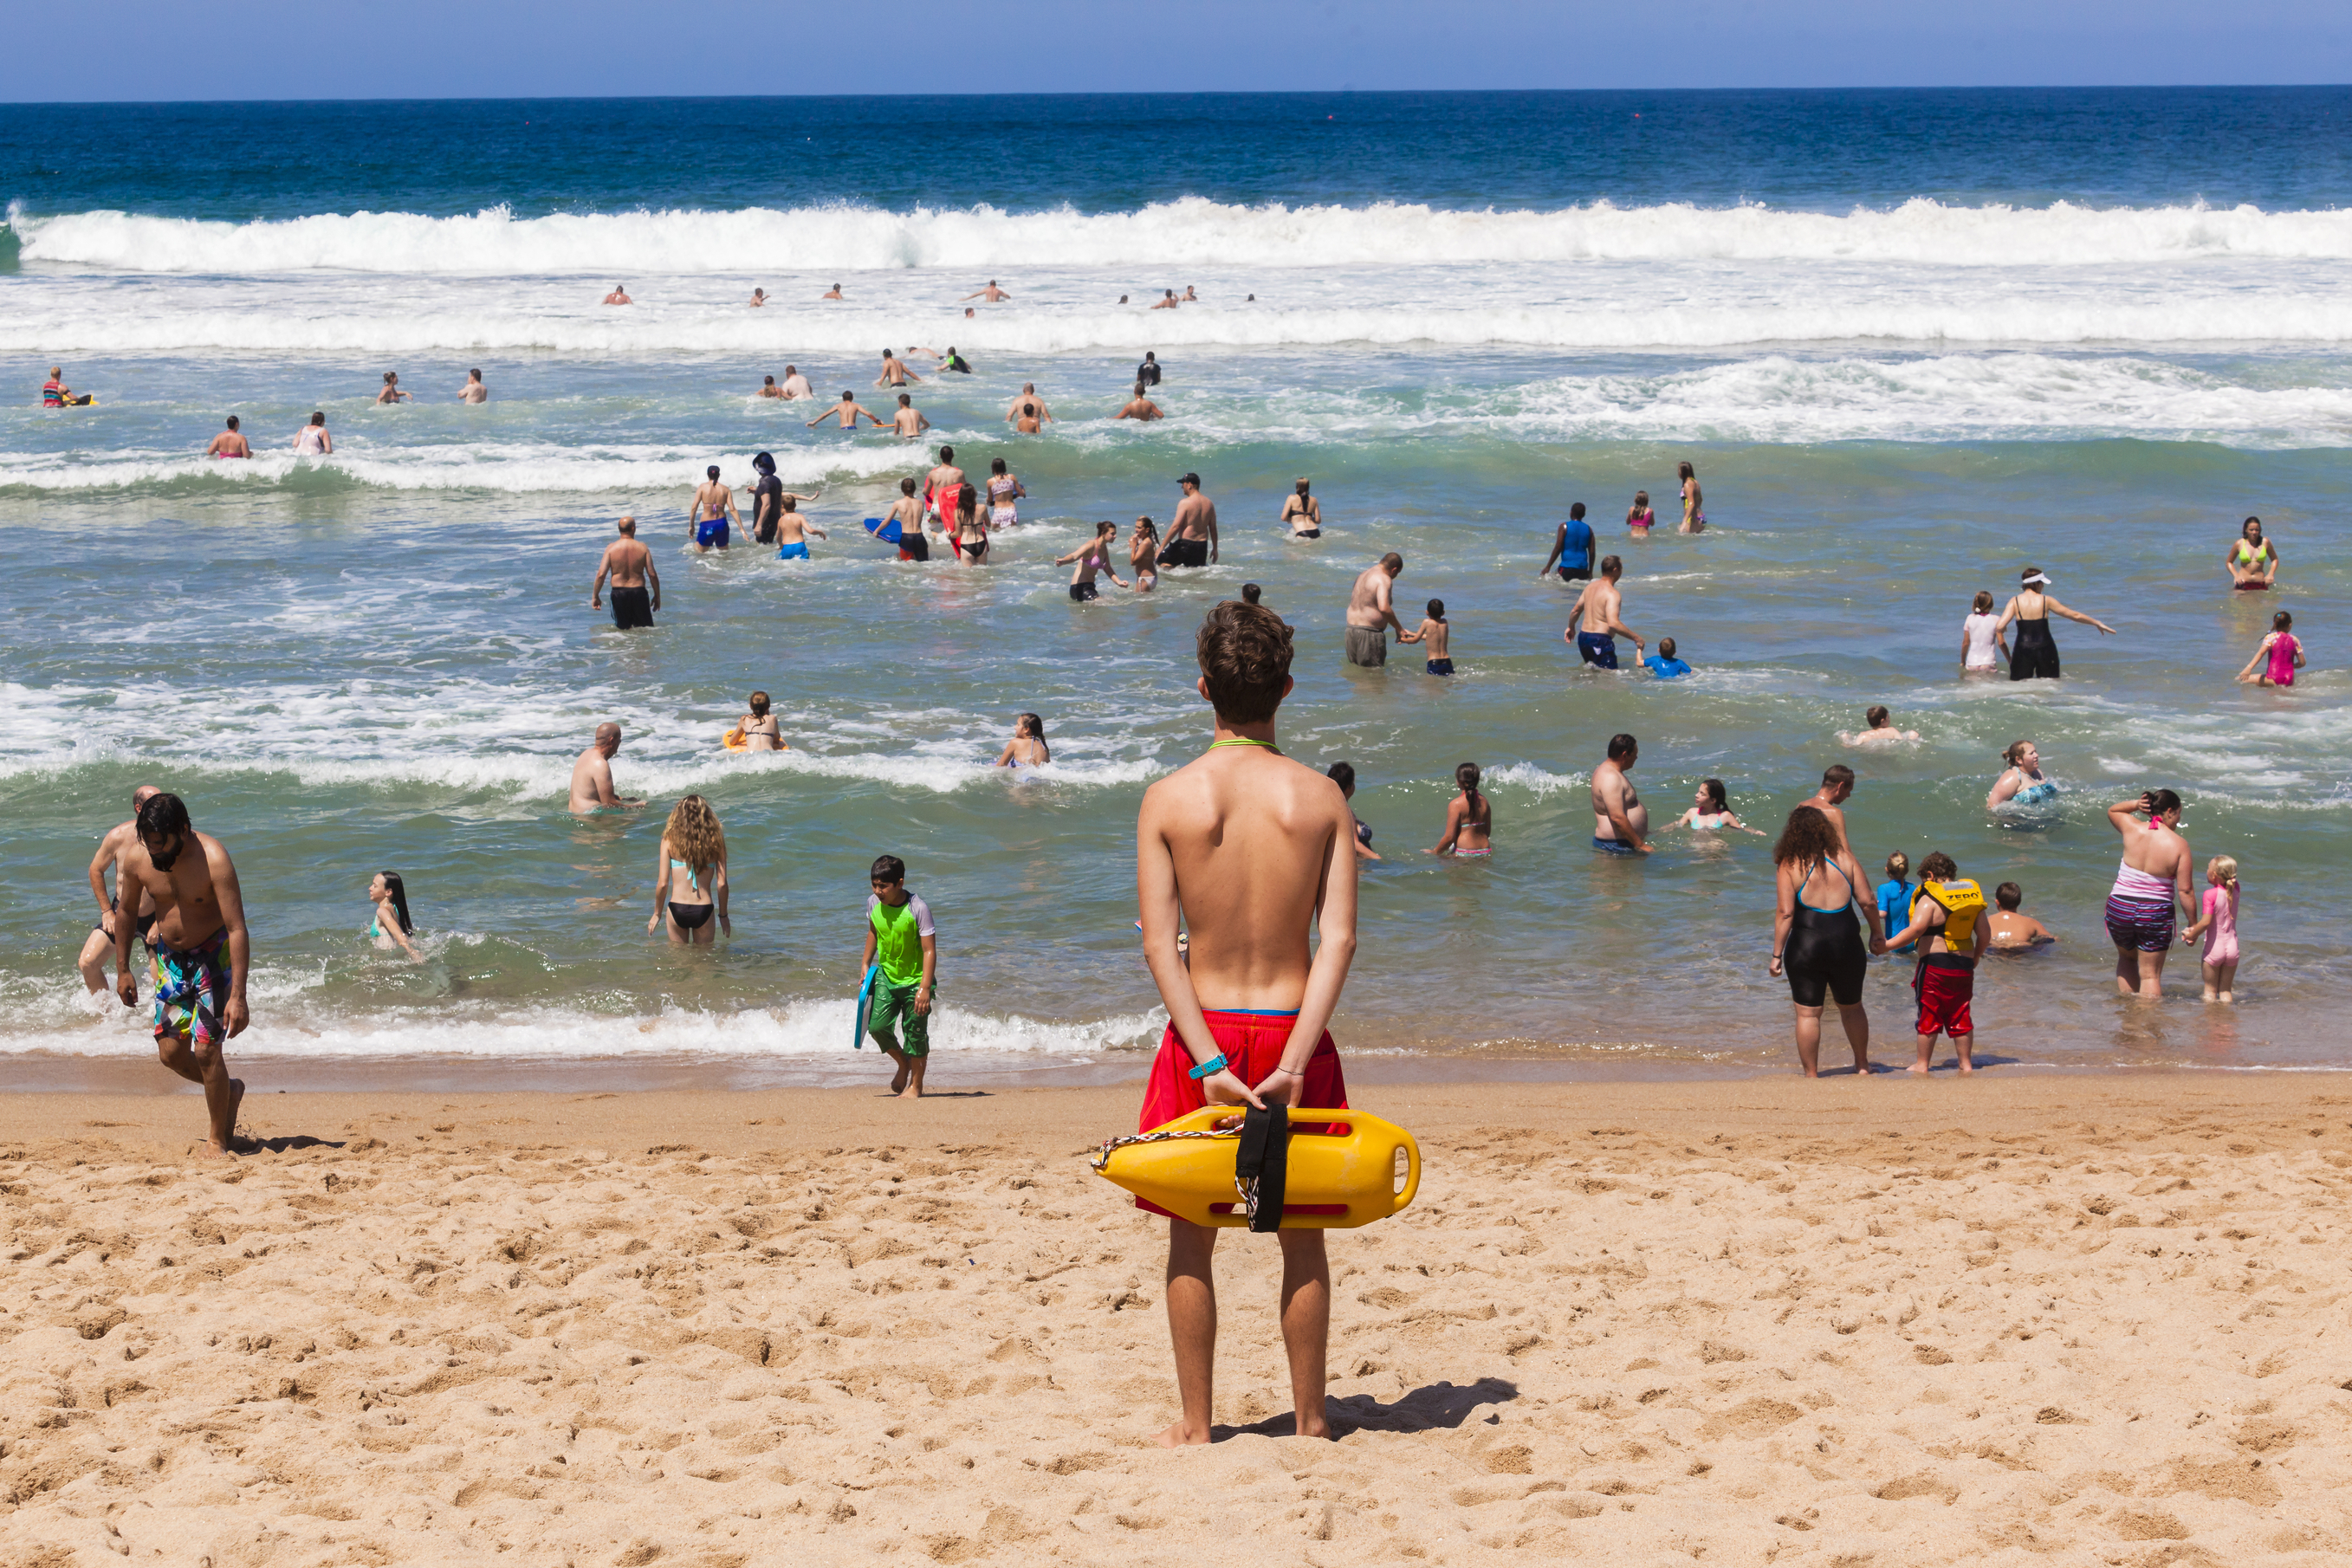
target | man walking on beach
x=1192, y=531
x=1620, y=822
x=1249, y=851
x=630, y=565
x=1371, y=611
x=592, y=774
x=100, y=941
x=1593, y=624
x=201, y=953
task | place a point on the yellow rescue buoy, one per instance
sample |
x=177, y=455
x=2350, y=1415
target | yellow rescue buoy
x=1342, y=1169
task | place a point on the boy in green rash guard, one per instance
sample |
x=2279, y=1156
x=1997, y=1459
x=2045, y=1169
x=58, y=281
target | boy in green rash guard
x=899, y=936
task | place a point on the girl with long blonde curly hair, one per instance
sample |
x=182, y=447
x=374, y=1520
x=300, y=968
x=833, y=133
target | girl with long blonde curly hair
x=693, y=842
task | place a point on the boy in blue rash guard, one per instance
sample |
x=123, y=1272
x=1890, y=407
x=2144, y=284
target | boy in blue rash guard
x=900, y=937
x=1662, y=663
x=1895, y=898
x=1572, y=546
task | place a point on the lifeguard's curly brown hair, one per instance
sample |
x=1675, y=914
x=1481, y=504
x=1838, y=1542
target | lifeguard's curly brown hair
x=1244, y=653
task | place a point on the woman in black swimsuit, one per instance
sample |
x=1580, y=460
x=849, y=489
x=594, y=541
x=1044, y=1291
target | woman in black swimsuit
x=2034, y=656
x=1816, y=937
x=695, y=847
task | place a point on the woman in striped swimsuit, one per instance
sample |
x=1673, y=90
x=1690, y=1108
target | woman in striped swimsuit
x=2153, y=876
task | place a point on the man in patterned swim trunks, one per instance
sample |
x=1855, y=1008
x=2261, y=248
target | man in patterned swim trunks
x=1250, y=849
x=202, y=952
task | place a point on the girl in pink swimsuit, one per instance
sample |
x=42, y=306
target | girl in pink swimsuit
x=2283, y=650
x=2217, y=921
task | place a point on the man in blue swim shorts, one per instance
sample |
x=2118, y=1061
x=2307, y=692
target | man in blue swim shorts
x=714, y=508
x=1593, y=624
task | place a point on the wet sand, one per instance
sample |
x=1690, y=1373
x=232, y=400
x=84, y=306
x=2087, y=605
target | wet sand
x=2089, y=1319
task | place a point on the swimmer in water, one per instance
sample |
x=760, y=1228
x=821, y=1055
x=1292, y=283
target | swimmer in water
x=1140, y=406
x=1639, y=517
x=312, y=441
x=2282, y=649
x=1302, y=513
x=693, y=851
x=2021, y=784
x=1435, y=636
x=1711, y=811
x=1027, y=749
x=1091, y=558
x=908, y=422
x=392, y=392
x=1143, y=555
x=894, y=371
x=1029, y=414
x=619, y=296
x=831, y=293
x=2152, y=877
x=473, y=390
x=2014, y=932
x=1694, y=516
x=758, y=727
x=759, y=297
x=1469, y=818
x=848, y=410
x=2253, y=560
x=2035, y=657
x=392, y=927
x=792, y=529
x=993, y=294
x=229, y=443
x=1880, y=730
x=1982, y=647
x=713, y=510
x=1003, y=490
x=1344, y=775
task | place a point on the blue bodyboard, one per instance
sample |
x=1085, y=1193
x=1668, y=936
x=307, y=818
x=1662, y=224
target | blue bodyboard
x=886, y=532
x=865, y=1001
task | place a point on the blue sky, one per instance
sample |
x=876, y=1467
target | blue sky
x=147, y=50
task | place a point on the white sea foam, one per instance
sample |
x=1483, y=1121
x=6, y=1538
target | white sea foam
x=1191, y=232
x=806, y=1029
x=516, y=469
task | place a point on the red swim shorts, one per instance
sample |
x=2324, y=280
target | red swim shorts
x=1944, y=995
x=1252, y=1044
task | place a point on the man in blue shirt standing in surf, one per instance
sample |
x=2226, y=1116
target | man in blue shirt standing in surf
x=1571, y=547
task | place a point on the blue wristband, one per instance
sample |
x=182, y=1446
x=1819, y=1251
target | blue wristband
x=1215, y=1064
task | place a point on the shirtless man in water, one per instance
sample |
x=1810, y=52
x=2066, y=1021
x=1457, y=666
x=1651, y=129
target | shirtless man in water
x=230, y=443
x=1140, y=406
x=1594, y=625
x=795, y=384
x=908, y=422
x=894, y=371
x=940, y=485
x=1372, y=611
x=1249, y=851
x=202, y=952
x=993, y=294
x=1192, y=531
x=849, y=409
x=619, y=296
x=101, y=943
x=630, y=565
x=1620, y=822
x=1029, y=414
x=592, y=774
x=1837, y=788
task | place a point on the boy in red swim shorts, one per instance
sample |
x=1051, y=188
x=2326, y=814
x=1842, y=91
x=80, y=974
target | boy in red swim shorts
x=1248, y=849
x=1948, y=921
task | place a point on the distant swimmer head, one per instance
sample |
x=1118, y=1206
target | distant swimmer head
x=1436, y=609
x=1665, y=647
x=1685, y=472
x=2253, y=531
x=1028, y=386
x=1251, y=592
x=995, y=465
x=1344, y=775
x=1105, y=529
x=1393, y=563
x=2033, y=577
x=849, y=397
x=1148, y=532
x=2022, y=754
x=906, y=487
x=906, y=400
x=1983, y=603
x=232, y=421
x=1624, y=749
x=947, y=454
x=1465, y=778
x=1139, y=389
x=759, y=705
x=1302, y=485
x=1576, y=512
x=1150, y=357
x=473, y=375
x=140, y=796
x=768, y=381
x=1898, y=865
x=1641, y=501
x=317, y=418
x=2008, y=896
x=1876, y=718
x=789, y=370
x=1029, y=724
x=1244, y=656
x=1611, y=566
x=1712, y=797
x=712, y=470
x=764, y=463
x=390, y=376
x=2281, y=621
x=628, y=526
x=1837, y=781
x=608, y=737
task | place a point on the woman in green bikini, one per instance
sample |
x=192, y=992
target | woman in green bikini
x=2253, y=560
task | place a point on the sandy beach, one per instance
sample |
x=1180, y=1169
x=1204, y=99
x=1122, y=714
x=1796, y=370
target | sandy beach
x=2090, y=1320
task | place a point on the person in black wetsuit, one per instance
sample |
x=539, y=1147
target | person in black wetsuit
x=2034, y=655
x=1816, y=937
x=1148, y=373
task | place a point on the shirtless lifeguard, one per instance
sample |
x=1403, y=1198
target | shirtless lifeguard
x=202, y=952
x=1249, y=851
x=1620, y=822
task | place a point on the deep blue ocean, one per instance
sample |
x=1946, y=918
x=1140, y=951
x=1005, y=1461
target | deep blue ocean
x=1913, y=341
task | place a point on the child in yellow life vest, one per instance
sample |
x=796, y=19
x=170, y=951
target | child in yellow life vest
x=900, y=941
x=1948, y=920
